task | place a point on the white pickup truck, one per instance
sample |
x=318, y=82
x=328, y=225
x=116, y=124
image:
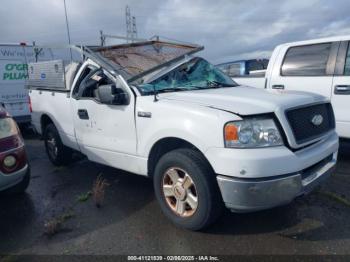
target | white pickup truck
x=204, y=141
x=321, y=66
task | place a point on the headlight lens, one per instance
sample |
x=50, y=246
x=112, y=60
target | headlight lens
x=250, y=133
x=9, y=161
x=8, y=127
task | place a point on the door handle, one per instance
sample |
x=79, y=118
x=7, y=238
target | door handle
x=342, y=90
x=278, y=86
x=83, y=114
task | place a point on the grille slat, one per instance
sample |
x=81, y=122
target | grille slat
x=300, y=121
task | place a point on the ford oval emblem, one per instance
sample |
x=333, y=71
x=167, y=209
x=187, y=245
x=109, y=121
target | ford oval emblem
x=317, y=120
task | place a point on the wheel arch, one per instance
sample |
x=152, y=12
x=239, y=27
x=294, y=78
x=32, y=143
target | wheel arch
x=165, y=145
x=44, y=121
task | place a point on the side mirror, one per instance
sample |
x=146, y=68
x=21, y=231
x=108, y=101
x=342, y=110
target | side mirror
x=111, y=95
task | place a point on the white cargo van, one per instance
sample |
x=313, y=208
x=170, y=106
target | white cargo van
x=13, y=74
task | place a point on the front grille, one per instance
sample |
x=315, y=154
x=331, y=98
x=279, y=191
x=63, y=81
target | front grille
x=301, y=121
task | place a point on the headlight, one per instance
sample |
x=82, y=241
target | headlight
x=250, y=133
x=9, y=161
x=8, y=127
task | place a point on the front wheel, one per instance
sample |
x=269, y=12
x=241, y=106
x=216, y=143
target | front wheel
x=186, y=189
x=58, y=153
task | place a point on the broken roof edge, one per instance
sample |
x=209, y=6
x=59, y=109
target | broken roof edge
x=138, y=76
x=150, y=42
x=192, y=48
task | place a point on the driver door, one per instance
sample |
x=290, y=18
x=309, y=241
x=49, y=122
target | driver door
x=105, y=133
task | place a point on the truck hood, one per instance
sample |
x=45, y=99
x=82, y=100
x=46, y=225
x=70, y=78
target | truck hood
x=245, y=100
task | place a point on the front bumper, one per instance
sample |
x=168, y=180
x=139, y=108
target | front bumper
x=12, y=179
x=249, y=195
x=260, y=181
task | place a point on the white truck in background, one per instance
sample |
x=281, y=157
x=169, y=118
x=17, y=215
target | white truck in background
x=14, y=59
x=249, y=72
x=153, y=109
x=321, y=66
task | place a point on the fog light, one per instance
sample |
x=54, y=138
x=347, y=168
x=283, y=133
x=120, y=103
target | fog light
x=9, y=161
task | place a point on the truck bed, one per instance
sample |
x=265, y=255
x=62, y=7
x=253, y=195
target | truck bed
x=49, y=102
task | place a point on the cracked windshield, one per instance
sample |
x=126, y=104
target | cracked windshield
x=194, y=74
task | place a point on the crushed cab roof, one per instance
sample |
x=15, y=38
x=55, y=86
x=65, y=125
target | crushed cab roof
x=135, y=60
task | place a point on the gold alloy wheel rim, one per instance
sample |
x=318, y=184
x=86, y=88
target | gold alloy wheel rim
x=180, y=192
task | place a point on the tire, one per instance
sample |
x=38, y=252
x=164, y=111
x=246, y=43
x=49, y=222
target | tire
x=21, y=187
x=58, y=153
x=193, y=215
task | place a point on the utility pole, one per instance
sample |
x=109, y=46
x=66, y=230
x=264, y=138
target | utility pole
x=131, y=30
x=68, y=33
x=134, y=29
x=129, y=34
x=102, y=38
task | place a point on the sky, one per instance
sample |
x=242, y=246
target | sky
x=228, y=29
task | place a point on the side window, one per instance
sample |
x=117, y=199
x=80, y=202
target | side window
x=231, y=69
x=223, y=68
x=87, y=70
x=88, y=88
x=309, y=60
x=255, y=65
x=89, y=82
x=347, y=62
x=234, y=69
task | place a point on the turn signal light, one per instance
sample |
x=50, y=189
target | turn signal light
x=231, y=132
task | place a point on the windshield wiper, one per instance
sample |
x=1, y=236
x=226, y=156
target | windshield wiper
x=172, y=89
x=216, y=84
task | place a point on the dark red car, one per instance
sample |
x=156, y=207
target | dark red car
x=14, y=168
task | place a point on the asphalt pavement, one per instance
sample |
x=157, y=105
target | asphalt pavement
x=130, y=221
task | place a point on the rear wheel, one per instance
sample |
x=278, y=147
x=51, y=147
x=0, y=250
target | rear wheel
x=58, y=153
x=186, y=189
